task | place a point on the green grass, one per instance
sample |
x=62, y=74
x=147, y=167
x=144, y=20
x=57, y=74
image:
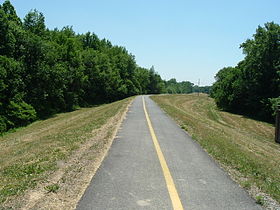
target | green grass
x=52, y=188
x=260, y=200
x=243, y=146
x=30, y=154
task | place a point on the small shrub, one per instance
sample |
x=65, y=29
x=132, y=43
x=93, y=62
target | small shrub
x=22, y=171
x=20, y=113
x=3, y=124
x=260, y=200
x=274, y=102
x=52, y=188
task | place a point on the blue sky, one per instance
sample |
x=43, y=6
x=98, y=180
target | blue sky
x=183, y=39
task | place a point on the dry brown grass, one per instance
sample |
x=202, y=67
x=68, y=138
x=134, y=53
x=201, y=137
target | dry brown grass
x=50, y=162
x=244, y=147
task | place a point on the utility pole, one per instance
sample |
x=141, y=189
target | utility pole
x=277, y=125
x=198, y=87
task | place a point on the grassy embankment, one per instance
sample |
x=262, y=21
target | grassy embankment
x=244, y=147
x=47, y=155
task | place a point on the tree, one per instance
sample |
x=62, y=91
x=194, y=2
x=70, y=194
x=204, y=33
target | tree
x=43, y=71
x=34, y=22
x=156, y=84
x=10, y=12
x=10, y=30
x=174, y=87
x=227, y=89
x=251, y=85
x=14, y=111
x=143, y=79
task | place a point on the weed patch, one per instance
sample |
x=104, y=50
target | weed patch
x=52, y=188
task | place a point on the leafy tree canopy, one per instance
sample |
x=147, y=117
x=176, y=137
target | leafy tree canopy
x=253, y=86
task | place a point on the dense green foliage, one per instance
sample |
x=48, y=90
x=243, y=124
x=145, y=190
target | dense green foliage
x=43, y=72
x=253, y=86
x=174, y=87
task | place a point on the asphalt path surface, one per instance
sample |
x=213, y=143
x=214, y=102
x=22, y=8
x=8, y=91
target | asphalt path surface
x=156, y=165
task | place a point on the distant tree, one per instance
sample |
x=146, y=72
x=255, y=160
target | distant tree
x=11, y=33
x=10, y=12
x=143, y=78
x=171, y=86
x=90, y=40
x=156, y=84
x=34, y=22
x=174, y=87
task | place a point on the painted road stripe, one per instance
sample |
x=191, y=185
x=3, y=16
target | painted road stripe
x=176, y=202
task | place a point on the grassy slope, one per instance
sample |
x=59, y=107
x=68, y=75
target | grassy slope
x=31, y=154
x=244, y=147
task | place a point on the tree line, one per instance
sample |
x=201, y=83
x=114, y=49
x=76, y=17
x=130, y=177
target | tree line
x=253, y=86
x=44, y=72
x=184, y=87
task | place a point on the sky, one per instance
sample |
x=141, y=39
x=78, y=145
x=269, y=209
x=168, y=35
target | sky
x=183, y=39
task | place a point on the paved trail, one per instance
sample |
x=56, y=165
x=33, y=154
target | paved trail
x=154, y=164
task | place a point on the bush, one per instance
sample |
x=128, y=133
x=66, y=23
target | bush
x=274, y=102
x=3, y=124
x=20, y=114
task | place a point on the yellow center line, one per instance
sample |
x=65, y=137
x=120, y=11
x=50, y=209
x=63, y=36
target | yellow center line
x=176, y=202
